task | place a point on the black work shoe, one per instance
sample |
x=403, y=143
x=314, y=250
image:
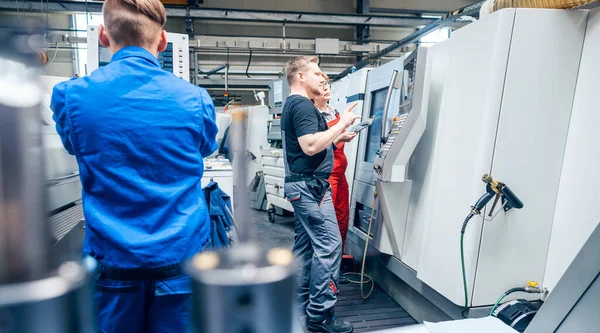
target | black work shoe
x=343, y=279
x=330, y=325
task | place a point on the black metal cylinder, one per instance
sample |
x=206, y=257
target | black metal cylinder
x=243, y=290
x=61, y=303
x=24, y=231
x=36, y=294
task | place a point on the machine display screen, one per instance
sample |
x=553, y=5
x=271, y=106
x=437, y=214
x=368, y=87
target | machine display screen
x=103, y=55
x=374, y=135
x=164, y=58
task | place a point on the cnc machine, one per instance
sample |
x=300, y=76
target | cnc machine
x=490, y=100
x=385, y=89
x=344, y=93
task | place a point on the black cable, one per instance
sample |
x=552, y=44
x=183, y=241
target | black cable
x=464, y=225
x=506, y=293
x=462, y=262
x=248, y=66
x=514, y=290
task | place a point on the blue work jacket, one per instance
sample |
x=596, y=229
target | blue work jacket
x=219, y=209
x=139, y=134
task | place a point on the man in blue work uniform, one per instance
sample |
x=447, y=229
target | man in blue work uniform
x=308, y=154
x=139, y=134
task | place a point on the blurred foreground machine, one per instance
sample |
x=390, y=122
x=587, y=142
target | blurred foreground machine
x=247, y=288
x=62, y=183
x=510, y=95
x=39, y=292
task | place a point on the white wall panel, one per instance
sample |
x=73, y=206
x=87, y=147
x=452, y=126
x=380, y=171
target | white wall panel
x=464, y=146
x=577, y=212
x=530, y=143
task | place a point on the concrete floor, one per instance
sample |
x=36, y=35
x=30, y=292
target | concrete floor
x=380, y=311
x=270, y=235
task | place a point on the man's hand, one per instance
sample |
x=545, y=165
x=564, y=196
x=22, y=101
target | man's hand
x=348, y=117
x=345, y=137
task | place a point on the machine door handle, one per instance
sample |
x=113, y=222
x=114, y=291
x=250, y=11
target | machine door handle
x=394, y=85
x=57, y=180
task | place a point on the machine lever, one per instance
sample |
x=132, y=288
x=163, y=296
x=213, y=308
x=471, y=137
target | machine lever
x=394, y=84
x=494, y=205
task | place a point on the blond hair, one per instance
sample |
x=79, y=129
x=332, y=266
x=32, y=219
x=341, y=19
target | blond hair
x=134, y=22
x=296, y=64
x=325, y=76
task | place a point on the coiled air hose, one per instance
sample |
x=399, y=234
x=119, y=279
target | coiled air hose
x=462, y=262
x=362, y=274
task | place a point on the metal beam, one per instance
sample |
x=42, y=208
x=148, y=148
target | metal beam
x=275, y=44
x=227, y=14
x=363, y=31
x=452, y=17
x=304, y=18
x=406, y=11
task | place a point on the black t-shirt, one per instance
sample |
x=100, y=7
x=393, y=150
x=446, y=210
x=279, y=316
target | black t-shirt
x=300, y=117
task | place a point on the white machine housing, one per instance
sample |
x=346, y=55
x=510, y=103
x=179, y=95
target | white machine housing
x=274, y=172
x=256, y=138
x=175, y=59
x=506, y=114
x=256, y=135
x=499, y=104
x=344, y=93
x=393, y=157
x=576, y=215
x=384, y=90
x=392, y=160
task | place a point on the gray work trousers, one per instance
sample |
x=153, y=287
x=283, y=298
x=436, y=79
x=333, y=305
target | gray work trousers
x=318, y=248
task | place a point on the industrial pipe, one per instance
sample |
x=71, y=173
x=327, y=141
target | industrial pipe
x=437, y=24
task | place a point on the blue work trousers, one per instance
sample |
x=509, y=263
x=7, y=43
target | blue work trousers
x=318, y=246
x=152, y=306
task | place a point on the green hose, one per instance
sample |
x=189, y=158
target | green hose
x=464, y=273
x=506, y=293
x=497, y=303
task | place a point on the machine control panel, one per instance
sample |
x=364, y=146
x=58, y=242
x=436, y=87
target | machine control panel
x=408, y=126
x=175, y=58
x=393, y=134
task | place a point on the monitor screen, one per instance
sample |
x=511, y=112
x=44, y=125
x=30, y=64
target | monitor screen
x=165, y=58
x=374, y=135
x=103, y=56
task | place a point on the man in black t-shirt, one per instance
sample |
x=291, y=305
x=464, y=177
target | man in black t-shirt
x=308, y=154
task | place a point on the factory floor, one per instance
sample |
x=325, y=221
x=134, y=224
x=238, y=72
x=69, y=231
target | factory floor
x=378, y=312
